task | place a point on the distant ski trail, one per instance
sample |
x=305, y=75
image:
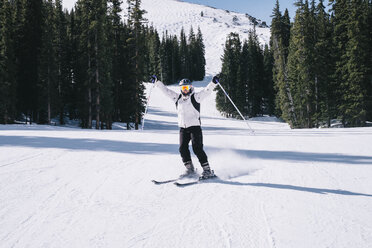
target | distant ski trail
x=270, y=236
x=23, y=159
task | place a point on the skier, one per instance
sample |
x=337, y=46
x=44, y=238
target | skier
x=188, y=109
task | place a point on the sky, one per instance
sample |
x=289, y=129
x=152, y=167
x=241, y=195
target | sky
x=261, y=9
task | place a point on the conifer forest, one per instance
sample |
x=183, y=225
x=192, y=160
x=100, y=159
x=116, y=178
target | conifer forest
x=318, y=68
x=90, y=64
x=323, y=63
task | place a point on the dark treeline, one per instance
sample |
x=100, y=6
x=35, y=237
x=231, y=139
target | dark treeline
x=247, y=76
x=88, y=64
x=183, y=57
x=323, y=63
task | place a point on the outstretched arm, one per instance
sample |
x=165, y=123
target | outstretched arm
x=200, y=96
x=170, y=93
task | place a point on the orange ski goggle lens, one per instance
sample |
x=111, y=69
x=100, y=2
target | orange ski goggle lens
x=185, y=87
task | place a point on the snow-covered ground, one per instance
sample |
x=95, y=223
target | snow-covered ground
x=66, y=187
x=282, y=188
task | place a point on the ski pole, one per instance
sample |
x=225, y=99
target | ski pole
x=236, y=107
x=147, y=104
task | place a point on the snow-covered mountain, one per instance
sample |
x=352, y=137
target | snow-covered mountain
x=215, y=25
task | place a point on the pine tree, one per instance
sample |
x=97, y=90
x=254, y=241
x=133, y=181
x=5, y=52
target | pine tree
x=276, y=23
x=352, y=59
x=78, y=104
x=94, y=63
x=243, y=97
x=324, y=87
x=154, y=52
x=369, y=73
x=268, y=83
x=115, y=38
x=285, y=33
x=229, y=74
x=29, y=59
x=340, y=18
x=127, y=87
x=200, y=59
x=184, y=55
x=18, y=38
x=243, y=74
x=85, y=62
x=3, y=117
x=353, y=107
x=300, y=66
x=166, y=54
x=135, y=21
x=99, y=56
x=7, y=64
x=47, y=85
x=176, y=60
x=192, y=54
x=62, y=60
x=256, y=74
x=182, y=58
x=103, y=58
x=284, y=99
x=82, y=63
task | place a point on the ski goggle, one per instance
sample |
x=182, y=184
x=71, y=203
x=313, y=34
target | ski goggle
x=185, y=87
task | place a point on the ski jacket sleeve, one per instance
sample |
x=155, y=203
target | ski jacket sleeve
x=200, y=96
x=170, y=93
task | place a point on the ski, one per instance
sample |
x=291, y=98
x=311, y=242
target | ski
x=186, y=184
x=165, y=181
x=180, y=184
x=180, y=178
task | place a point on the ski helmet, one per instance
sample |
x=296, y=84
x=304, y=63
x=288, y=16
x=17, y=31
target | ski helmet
x=186, y=86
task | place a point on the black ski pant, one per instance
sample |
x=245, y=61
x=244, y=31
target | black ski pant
x=194, y=134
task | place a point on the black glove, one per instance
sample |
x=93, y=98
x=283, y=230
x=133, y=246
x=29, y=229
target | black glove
x=216, y=79
x=153, y=79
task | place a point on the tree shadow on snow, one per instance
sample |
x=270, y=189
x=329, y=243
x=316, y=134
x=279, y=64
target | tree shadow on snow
x=299, y=157
x=291, y=187
x=153, y=147
x=88, y=144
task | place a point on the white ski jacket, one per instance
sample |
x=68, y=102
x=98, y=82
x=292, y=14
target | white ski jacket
x=188, y=107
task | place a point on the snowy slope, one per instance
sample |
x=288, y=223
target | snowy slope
x=283, y=188
x=65, y=187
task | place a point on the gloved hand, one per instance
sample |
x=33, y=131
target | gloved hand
x=216, y=79
x=153, y=79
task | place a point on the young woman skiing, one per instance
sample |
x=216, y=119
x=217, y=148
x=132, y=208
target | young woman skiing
x=188, y=109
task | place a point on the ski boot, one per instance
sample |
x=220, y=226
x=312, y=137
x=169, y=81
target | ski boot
x=190, y=170
x=207, y=172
